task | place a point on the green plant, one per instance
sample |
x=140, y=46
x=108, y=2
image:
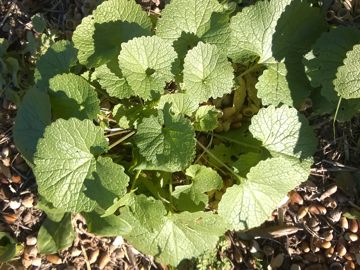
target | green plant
x=195, y=153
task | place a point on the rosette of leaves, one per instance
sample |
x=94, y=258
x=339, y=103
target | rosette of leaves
x=152, y=179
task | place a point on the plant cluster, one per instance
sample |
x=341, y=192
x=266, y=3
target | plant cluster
x=170, y=131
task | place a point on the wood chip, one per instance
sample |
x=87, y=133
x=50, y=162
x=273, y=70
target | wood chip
x=54, y=259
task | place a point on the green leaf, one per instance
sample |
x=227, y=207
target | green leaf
x=129, y=115
x=111, y=79
x=72, y=96
x=246, y=161
x=98, y=38
x=7, y=247
x=249, y=204
x=278, y=86
x=55, y=214
x=171, y=237
x=54, y=236
x=180, y=103
x=347, y=82
x=146, y=63
x=38, y=22
x=66, y=159
x=192, y=197
x=206, y=118
x=166, y=141
x=284, y=132
x=328, y=53
x=189, y=16
x=278, y=29
x=106, y=226
x=57, y=59
x=33, y=116
x=207, y=73
x=109, y=183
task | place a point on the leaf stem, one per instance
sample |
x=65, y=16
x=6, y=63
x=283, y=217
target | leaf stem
x=237, y=142
x=335, y=116
x=247, y=71
x=122, y=139
x=218, y=160
x=135, y=179
x=117, y=133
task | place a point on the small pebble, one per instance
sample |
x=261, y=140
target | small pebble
x=15, y=205
x=36, y=262
x=31, y=241
x=6, y=162
x=118, y=241
x=75, y=252
x=295, y=267
x=277, y=261
x=28, y=201
x=104, y=260
x=16, y=179
x=93, y=256
x=26, y=263
x=54, y=259
x=5, y=152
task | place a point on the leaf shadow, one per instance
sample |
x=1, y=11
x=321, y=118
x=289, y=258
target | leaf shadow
x=108, y=38
x=292, y=39
x=65, y=107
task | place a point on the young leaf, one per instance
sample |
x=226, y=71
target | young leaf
x=347, y=82
x=57, y=59
x=180, y=103
x=284, y=132
x=207, y=73
x=7, y=247
x=98, y=38
x=106, y=226
x=249, y=204
x=72, y=96
x=66, y=160
x=111, y=79
x=328, y=54
x=206, y=118
x=171, y=237
x=192, y=197
x=33, y=116
x=146, y=63
x=55, y=235
x=166, y=141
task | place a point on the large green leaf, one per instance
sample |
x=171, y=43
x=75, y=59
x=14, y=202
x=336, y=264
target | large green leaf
x=192, y=197
x=249, y=204
x=275, y=84
x=55, y=235
x=189, y=16
x=284, y=132
x=279, y=34
x=166, y=141
x=99, y=36
x=146, y=63
x=57, y=59
x=72, y=96
x=66, y=167
x=328, y=54
x=347, y=82
x=207, y=73
x=277, y=30
x=171, y=237
x=33, y=116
